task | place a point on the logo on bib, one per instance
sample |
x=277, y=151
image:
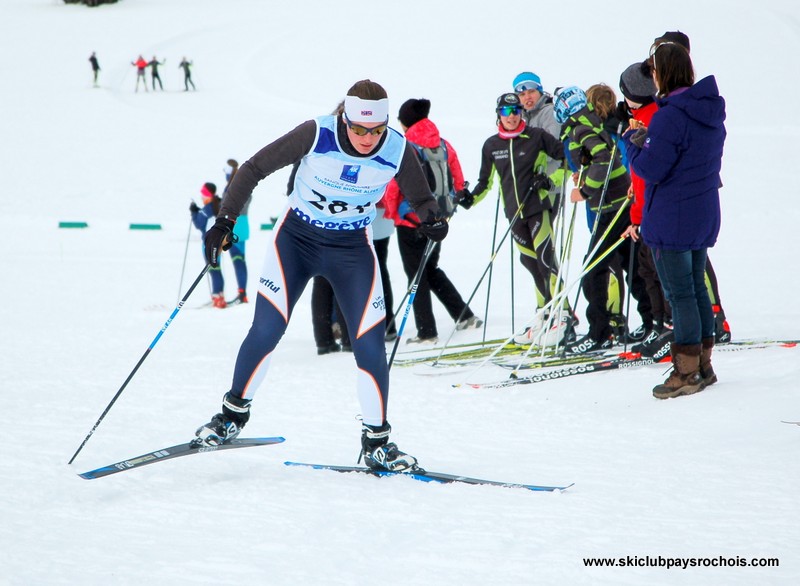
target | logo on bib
x=350, y=173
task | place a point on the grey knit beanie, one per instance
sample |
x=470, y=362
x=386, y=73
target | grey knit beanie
x=636, y=85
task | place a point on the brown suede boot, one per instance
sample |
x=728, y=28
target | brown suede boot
x=685, y=378
x=706, y=370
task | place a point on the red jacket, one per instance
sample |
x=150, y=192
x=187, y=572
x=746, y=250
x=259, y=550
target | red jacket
x=643, y=115
x=425, y=134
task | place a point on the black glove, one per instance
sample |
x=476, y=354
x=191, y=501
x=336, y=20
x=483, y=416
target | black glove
x=220, y=237
x=541, y=181
x=434, y=228
x=194, y=208
x=623, y=113
x=464, y=198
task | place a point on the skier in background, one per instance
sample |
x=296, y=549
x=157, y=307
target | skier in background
x=154, y=63
x=518, y=154
x=187, y=74
x=444, y=180
x=200, y=219
x=141, y=66
x=587, y=143
x=95, y=67
x=242, y=232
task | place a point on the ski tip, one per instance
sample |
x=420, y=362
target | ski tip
x=99, y=472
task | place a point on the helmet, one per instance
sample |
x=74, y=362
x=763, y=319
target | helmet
x=508, y=100
x=567, y=101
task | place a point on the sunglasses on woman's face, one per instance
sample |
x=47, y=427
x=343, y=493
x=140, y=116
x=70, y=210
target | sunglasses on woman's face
x=363, y=130
x=509, y=111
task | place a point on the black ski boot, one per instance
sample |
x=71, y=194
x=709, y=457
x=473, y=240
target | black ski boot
x=225, y=426
x=379, y=454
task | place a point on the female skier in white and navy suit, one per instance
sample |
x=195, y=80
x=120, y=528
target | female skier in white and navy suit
x=345, y=163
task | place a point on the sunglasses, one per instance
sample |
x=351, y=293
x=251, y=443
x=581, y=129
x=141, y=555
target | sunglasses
x=509, y=111
x=524, y=87
x=655, y=47
x=359, y=130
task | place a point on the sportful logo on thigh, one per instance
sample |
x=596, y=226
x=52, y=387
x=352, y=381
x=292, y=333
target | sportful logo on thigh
x=331, y=224
x=268, y=283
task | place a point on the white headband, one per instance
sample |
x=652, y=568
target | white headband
x=358, y=110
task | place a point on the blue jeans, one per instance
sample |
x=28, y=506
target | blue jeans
x=682, y=275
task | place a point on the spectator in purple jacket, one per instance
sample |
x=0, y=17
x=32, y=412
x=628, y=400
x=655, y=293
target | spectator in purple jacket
x=680, y=156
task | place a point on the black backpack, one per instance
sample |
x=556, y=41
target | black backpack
x=434, y=165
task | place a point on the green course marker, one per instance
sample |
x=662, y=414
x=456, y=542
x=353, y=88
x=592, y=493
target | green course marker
x=73, y=225
x=145, y=226
x=273, y=220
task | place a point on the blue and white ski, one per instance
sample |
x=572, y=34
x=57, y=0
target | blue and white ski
x=187, y=449
x=428, y=476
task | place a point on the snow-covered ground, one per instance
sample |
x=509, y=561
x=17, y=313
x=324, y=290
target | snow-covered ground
x=710, y=476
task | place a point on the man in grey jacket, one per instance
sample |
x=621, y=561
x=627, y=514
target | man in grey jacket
x=538, y=105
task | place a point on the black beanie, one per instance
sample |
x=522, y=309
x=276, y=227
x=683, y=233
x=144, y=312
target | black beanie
x=674, y=37
x=636, y=85
x=413, y=110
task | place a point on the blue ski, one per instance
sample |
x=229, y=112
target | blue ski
x=186, y=449
x=428, y=476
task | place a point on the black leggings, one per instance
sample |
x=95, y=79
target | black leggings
x=412, y=245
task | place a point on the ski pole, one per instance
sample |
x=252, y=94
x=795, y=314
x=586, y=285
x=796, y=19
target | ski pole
x=185, y=255
x=602, y=200
x=511, y=272
x=485, y=271
x=142, y=359
x=411, y=294
x=631, y=264
x=400, y=305
x=489, y=285
x=564, y=234
x=556, y=300
x=561, y=278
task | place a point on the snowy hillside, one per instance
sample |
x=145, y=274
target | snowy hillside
x=713, y=476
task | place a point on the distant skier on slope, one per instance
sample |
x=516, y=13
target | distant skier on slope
x=141, y=67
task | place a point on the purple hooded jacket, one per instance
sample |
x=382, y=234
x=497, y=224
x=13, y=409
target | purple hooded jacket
x=680, y=161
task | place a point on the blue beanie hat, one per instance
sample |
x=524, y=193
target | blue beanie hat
x=528, y=80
